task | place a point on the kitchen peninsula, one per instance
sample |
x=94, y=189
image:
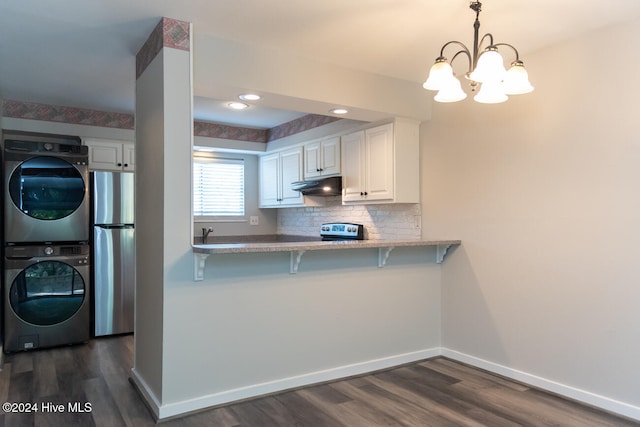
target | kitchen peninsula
x=260, y=329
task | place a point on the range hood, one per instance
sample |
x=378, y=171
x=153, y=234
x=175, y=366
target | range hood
x=331, y=186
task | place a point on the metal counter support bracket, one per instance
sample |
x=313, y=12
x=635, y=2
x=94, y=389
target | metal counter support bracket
x=198, y=264
x=383, y=255
x=295, y=256
x=441, y=252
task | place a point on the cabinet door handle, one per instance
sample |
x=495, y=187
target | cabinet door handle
x=119, y=164
x=126, y=165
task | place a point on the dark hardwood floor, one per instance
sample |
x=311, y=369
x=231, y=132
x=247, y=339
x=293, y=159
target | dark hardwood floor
x=435, y=392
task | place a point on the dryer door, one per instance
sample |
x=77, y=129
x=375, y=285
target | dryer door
x=47, y=293
x=47, y=188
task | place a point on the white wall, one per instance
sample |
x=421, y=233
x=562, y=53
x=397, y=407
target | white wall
x=543, y=192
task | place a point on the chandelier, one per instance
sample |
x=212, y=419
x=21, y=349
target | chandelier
x=486, y=70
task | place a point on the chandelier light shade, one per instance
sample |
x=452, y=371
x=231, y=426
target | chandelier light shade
x=440, y=73
x=516, y=81
x=451, y=91
x=486, y=70
x=490, y=67
x=491, y=92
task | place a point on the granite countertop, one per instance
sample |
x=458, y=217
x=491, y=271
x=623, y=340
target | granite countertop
x=287, y=245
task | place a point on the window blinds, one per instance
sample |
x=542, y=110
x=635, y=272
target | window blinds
x=218, y=186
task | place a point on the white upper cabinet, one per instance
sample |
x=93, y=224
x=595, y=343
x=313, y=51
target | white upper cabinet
x=270, y=180
x=128, y=156
x=110, y=155
x=353, y=166
x=291, y=162
x=381, y=164
x=277, y=171
x=322, y=158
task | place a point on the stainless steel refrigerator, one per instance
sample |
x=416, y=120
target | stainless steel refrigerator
x=113, y=252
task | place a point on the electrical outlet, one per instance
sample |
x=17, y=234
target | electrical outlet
x=253, y=220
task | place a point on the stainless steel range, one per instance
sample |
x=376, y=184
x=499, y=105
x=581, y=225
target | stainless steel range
x=342, y=231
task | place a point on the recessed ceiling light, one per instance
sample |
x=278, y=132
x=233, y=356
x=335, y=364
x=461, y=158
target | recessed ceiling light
x=237, y=105
x=339, y=111
x=250, y=97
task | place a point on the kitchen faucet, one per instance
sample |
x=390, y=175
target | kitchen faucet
x=205, y=233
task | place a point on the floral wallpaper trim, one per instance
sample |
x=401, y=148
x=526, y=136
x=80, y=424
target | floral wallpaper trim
x=80, y=116
x=56, y=113
x=168, y=33
x=298, y=125
x=214, y=130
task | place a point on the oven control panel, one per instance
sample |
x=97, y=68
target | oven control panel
x=342, y=230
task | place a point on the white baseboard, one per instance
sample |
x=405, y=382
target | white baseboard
x=163, y=411
x=149, y=396
x=589, y=398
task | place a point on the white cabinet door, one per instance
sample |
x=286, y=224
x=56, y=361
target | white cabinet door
x=277, y=172
x=269, y=180
x=291, y=171
x=128, y=157
x=105, y=156
x=312, y=160
x=368, y=165
x=353, y=167
x=110, y=155
x=330, y=150
x=322, y=158
x=379, y=162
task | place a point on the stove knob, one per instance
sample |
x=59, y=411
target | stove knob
x=48, y=250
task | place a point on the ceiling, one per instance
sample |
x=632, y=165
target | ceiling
x=81, y=53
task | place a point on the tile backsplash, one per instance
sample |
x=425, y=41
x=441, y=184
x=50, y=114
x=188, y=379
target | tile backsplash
x=393, y=221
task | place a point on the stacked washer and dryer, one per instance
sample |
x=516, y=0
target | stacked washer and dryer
x=46, y=224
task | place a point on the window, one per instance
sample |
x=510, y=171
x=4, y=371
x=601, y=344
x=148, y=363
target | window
x=218, y=186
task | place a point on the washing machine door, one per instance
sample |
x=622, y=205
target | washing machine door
x=47, y=188
x=47, y=293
